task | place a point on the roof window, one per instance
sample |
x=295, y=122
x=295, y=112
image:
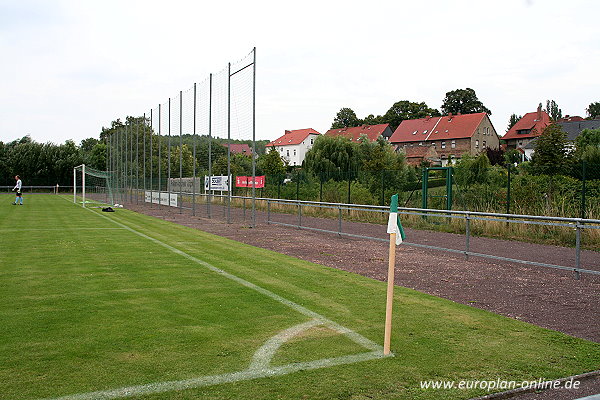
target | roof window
x=415, y=132
x=425, y=131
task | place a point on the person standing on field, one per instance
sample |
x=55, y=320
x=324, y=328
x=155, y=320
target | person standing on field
x=17, y=188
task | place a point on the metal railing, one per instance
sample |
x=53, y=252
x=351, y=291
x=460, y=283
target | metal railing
x=578, y=224
x=39, y=189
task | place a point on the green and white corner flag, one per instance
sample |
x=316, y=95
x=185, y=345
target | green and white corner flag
x=394, y=224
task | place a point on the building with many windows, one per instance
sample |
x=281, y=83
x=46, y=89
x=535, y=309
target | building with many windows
x=372, y=132
x=293, y=145
x=450, y=136
x=529, y=127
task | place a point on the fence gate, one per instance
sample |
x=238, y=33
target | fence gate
x=425, y=180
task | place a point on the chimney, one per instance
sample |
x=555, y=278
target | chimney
x=449, y=116
x=286, y=132
x=539, y=113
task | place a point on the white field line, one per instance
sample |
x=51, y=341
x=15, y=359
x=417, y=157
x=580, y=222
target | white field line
x=263, y=356
x=60, y=229
x=209, y=380
x=357, y=338
x=260, y=366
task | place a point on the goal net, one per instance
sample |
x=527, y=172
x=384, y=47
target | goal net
x=92, y=187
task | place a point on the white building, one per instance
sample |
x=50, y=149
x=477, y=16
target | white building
x=293, y=145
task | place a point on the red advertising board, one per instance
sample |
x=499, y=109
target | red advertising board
x=246, y=181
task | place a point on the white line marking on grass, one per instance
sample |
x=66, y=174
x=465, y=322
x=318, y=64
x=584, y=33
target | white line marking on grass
x=260, y=365
x=357, y=338
x=209, y=380
x=61, y=229
x=263, y=356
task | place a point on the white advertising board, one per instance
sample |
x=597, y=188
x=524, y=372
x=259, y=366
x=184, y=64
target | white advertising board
x=161, y=198
x=222, y=183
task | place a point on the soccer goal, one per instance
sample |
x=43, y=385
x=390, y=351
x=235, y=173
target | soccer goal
x=94, y=186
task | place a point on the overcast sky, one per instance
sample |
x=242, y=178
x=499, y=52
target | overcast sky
x=70, y=67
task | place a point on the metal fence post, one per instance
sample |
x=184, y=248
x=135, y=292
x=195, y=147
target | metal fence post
x=583, y=173
x=297, y=185
x=468, y=236
x=299, y=214
x=508, y=190
x=321, y=186
x=268, y=212
x=577, y=249
x=339, y=220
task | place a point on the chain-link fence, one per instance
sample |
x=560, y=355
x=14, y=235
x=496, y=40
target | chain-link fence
x=499, y=189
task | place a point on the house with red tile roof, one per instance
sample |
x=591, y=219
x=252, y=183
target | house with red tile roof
x=239, y=148
x=451, y=135
x=526, y=129
x=293, y=145
x=372, y=132
x=415, y=155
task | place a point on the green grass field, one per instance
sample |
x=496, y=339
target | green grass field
x=99, y=305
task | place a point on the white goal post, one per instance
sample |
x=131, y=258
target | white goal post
x=96, y=185
x=82, y=166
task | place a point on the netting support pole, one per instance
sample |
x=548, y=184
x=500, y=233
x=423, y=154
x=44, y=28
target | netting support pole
x=144, y=157
x=131, y=188
x=137, y=161
x=83, y=184
x=159, y=151
x=151, y=162
x=209, y=197
x=194, y=166
x=126, y=169
x=229, y=143
x=254, y=139
x=169, y=154
x=180, y=152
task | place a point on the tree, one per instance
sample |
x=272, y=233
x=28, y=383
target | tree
x=405, y=109
x=378, y=155
x=471, y=170
x=187, y=161
x=551, y=150
x=373, y=120
x=496, y=156
x=345, y=118
x=512, y=156
x=588, y=137
x=271, y=163
x=463, y=101
x=514, y=118
x=593, y=110
x=332, y=157
x=553, y=110
x=240, y=165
